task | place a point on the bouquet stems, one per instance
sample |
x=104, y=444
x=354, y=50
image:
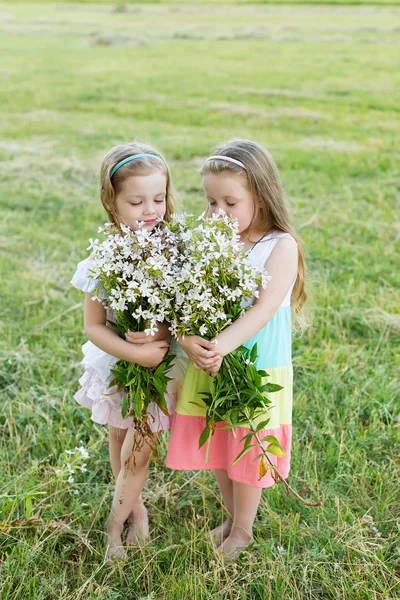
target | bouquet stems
x=237, y=397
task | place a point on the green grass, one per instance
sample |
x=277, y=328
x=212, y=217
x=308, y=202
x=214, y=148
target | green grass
x=319, y=86
x=125, y=4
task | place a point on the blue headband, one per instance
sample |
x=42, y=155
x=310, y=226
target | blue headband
x=133, y=157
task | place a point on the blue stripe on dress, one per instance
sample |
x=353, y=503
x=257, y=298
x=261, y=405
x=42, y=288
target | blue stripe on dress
x=274, y=341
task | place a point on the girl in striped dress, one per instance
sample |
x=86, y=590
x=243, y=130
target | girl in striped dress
x=241, y=178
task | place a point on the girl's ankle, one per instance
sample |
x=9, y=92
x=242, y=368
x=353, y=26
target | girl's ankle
x=241, y=534
x=113, y=526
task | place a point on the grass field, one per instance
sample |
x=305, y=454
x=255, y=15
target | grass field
x=319, y=86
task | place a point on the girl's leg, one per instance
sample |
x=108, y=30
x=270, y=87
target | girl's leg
x=220, y=533
x=139, y=525
x=116, y=438
x=246, y=500
x=129, y=485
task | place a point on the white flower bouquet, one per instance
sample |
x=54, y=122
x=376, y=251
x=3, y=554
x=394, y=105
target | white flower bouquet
x=210, y=286
x=135, y=269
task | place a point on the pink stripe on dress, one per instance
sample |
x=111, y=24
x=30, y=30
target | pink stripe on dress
x=183, y=452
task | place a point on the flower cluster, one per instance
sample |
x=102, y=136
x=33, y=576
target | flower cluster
x=213, y=279
x=136, y=269
x=72, y=464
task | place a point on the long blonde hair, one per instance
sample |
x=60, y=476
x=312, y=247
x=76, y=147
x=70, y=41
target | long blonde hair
x=266, y=188
x=110, y=186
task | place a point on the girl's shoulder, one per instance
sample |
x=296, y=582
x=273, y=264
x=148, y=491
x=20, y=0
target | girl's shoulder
x=262, y=249
x=275, y=236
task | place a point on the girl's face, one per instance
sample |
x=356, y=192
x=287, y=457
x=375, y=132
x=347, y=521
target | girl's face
x=142, y=198
x=229, y=192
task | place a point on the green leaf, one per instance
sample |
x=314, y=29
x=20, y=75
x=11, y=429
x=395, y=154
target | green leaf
x=271, y=387
x=248, y=436
x=197, y=403
x=124, y=408
x=243, y=452
x=258, y=456
x=205, y=434
x=161, y=389
x=137, y=402
x=28, y=506
x=276, y=449
x=262, y=424
x=253, y=353
x=270, y=438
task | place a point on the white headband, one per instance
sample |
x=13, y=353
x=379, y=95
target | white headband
x=227, y=159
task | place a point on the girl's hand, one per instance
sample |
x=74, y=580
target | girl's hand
x=151, y=354
x=217, y=365
x=139, y=337
x=201, y=352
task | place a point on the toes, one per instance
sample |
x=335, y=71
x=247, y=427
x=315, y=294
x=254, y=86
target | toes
x=116, y=553
x=232, y=549
x=138, y=533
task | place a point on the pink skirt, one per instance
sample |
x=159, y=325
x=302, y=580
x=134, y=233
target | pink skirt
x=105, y=402
x=184, y=454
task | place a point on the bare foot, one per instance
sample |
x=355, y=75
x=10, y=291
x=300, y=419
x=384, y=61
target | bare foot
x=113, y=542
x=234, y=545
x=138, y=530
x=220, y=533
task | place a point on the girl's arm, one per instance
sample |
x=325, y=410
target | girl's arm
x=147, y=355
x=282, y=267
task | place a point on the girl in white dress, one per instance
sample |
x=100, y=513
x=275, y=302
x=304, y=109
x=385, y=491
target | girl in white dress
x=135, y=186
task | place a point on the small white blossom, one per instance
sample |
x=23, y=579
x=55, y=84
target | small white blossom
x=203, y=329
x=84, y=453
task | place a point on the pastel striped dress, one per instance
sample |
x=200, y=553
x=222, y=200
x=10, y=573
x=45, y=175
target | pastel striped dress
x=274, y=344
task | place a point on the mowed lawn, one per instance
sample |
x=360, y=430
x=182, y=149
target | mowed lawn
x=319, y=86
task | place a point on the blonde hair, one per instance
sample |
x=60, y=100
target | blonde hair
x=264, y=183
x=110, y=186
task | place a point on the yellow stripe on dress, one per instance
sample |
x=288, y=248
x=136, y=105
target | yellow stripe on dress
x=280, y=412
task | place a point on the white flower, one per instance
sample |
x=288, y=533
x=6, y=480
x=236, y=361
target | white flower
x=265, y=280
x=151, y=331
x=203, y=330
x=84, y=453
x=70, y=479
x=92, y=244
x=83, y=468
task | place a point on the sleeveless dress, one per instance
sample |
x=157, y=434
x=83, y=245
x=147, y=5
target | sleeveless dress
x=105, y=402
x=274, y=355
